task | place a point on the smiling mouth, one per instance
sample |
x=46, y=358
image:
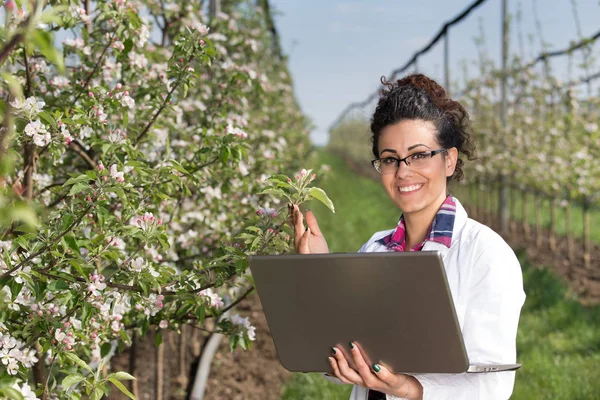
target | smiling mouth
x=409, y=189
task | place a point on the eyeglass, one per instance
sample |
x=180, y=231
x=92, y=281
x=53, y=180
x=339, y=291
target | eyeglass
x=390, y=165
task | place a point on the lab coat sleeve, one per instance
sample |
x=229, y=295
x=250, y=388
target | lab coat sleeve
x=489, y=330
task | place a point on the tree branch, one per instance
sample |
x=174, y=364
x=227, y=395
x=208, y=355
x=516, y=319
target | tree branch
x=76, y=147
x=89, y=78
x=162, y=107
x=43, y=249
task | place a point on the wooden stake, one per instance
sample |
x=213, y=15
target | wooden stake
x=132, y=364
x=524, y=214
x=160, y=356
x=586, y=235
x=569, y=229
x=552, y=224
x=538, y=220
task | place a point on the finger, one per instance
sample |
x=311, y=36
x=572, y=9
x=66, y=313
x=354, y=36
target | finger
x=387, y=377
x=362, y=367
x=345, y=369
x=303, y=245
x=312, y=223
x=298, y=225
x=336, y=371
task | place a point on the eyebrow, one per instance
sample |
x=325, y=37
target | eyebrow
x=409, y=149
x=417, y=145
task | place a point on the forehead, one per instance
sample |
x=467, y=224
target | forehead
x=406, y=133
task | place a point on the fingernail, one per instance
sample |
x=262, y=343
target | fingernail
x=330, y=359
x=333, y=350
x=306, y=229
x=376, y=368
x=308, y=209
x=352, y=345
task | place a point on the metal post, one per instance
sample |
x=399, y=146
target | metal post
x=446, y=63
x=503, y=203
x=214, y=7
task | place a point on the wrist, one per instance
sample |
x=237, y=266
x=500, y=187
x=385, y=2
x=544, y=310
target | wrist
x=411, y=389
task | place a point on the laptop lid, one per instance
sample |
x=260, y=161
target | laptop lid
x=396, y=305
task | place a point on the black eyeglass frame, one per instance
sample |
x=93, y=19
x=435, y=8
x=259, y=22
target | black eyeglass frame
x=405, y=159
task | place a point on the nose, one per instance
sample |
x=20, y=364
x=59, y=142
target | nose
x=403, y=170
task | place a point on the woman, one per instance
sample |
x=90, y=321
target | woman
x=419, y=135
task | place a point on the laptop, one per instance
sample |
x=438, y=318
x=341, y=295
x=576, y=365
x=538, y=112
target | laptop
x=396, y=306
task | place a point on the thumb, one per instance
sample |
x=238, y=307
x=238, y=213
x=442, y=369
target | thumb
x=386, y=376
x=312, y=223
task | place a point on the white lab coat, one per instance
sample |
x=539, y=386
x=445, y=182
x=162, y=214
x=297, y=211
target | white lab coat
x=486, y=282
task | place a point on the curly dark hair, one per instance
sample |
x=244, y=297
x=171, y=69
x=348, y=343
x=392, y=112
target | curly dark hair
x=417, y=97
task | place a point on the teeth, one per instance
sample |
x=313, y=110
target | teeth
x=409, y=188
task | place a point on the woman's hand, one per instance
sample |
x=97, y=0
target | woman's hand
x=375, y=377
x=307, y=240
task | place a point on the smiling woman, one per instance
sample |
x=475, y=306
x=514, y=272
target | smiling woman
x=419, y=138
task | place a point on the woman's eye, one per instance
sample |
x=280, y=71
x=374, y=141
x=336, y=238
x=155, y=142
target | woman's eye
x=419, y=156
x=388, y=161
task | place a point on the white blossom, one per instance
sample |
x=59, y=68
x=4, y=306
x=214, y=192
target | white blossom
x=245, y=326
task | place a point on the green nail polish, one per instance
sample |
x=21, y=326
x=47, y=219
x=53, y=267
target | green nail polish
x=352, y=345
x=333, y=350
x=376, y=368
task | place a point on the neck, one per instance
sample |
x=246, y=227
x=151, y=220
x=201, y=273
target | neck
x=418, y=224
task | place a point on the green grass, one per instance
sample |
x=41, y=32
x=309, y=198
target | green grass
x=558, y=341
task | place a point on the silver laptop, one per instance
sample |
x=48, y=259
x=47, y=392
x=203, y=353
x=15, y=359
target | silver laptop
x=396, y=305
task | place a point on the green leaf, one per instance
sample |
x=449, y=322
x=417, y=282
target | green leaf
x=78, y=188
x=122, y=388
x=72, y=243
x=57, y=285
x=13, y=85
x=53, y=15
x=274, y=191
x=200, y=313
x=78, y=179
x=23, y=213
x=97, y=394
x=179, y=167
x=12, y=393
x=48, y=119
x=320, y=195
x=105, y=349
x=71, y=380
x=158, y=339
x=122, y=376
x=78, y=361
x=224, y=154
x=125, y=336
x=66, y=221
x=44, y=42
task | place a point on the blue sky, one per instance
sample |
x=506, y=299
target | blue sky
x=339, y=49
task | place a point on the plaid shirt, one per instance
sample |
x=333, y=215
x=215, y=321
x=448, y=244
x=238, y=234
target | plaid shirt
x=440, y=230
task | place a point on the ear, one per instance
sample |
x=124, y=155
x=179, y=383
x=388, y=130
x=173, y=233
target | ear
x=451, y=160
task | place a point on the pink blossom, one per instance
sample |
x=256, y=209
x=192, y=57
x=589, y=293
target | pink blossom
x=163, y=324
x=116, y=174
x=10, y=5
x=231, y=130
x=100, y=167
